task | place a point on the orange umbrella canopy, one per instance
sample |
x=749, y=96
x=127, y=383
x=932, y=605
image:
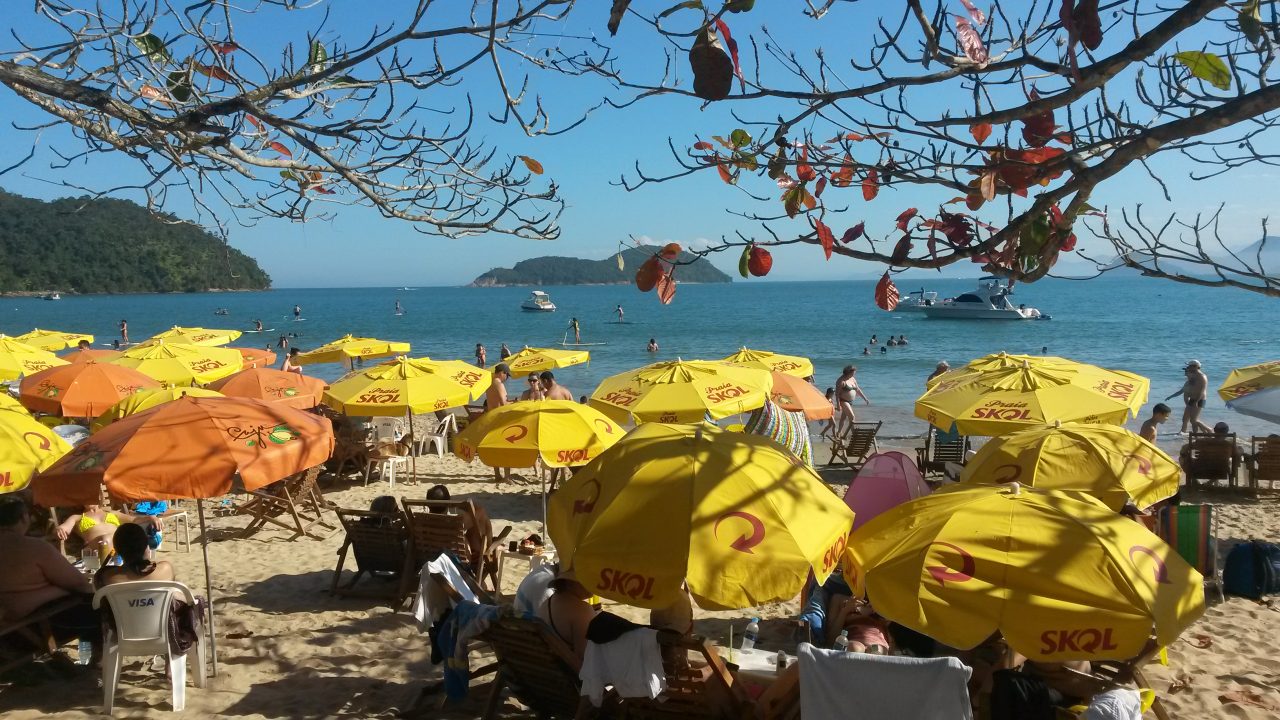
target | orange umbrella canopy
x=253, y=357
x=798, y=395
x=89, y=355
x=275, y=386
x=189, y=448
x=81, y=389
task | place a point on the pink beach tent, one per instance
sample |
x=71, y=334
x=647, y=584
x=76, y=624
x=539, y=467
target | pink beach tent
x=887, y=480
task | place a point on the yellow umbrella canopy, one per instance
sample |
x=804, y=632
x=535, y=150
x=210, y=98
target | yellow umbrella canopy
x=197, y=336
x=52, y=340
x=347, y=348
x=179, y=363
x=682, y=391
x=26, y=447
x=1250, y=379
x=18, y=359
x=145, y=400
x=795, y=365
x=8, y=402
x=561, y=433
x=407, y=385
x=1001, y=399
x=735, y=516
x=1107, y=462
x=1061, y=575
x=531, y=360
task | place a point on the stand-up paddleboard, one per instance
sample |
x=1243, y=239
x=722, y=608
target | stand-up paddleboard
x=261, y=331
x=569, y=344
x=123, y=344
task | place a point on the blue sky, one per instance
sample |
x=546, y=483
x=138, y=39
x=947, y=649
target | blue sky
x=360, y=248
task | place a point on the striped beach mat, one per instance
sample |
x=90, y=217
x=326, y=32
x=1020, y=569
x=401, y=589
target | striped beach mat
x=788, y=429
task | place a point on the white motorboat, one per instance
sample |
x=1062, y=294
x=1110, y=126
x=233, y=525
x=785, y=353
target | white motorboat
x=53, y=296
x=990, y=301
x=538, y=302
x=917, y=300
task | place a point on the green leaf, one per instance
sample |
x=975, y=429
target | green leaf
x=179, y=88
x=317, y=57
x=744, y=262
x=690, y=5
x=746, y=161
x=1250, y=20
x=288, y=175
x=152, y=46
x=739, y=6
x=1207, y=67
x=343, y=80
x=740, y=138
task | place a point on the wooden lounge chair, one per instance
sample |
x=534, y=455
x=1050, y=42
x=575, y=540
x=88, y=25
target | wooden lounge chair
x=937, y=452
x=432, y=533
x=1189, y=530
x=380, y=544
x=1264, y=462
x=854, y=444
x=27, y=639
x=294, y=504
x=1211, y=457
x=350, y=449
x=704, y=689
x=538, y=667
x=1109, y=674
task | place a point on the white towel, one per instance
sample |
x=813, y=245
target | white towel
x=843, y=684
x=431, y=601
x=631, y=664
x=1115, y=704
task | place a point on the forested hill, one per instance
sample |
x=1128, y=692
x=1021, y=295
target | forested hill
x=109, y=246
x=576, y=271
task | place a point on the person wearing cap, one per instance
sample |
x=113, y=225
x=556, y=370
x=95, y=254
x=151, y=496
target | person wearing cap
x=942, y=368
x=1193, y=393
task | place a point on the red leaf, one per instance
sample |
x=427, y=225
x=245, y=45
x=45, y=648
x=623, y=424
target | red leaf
x=805, y=197
x=901, y=250
x=853, y=233
x=974, y=201
x=733, y=51
x=671, y=251
x=886, y=293
x=805, y=173
x=725, y=175
x=980, y=132
x=844, y=176
x=666, y=289
x=323, y=190
x=1020, y=192
x=905, y=218
x=226, y=48
x=822, y=185
x=648, y=273
x=855, y=137
x=255, y=122
x=280, y=149
x=534, y=166
x=703, y=145
x=1070, y=243
x=825, y=236
x=759, y=262
x=212, y=71
x=978, y=18
x=1038, y=129
x=971, y=41
x=870, y=185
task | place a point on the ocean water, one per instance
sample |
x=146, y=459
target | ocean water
x=1137, y=324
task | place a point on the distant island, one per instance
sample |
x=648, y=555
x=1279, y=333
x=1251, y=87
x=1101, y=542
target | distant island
x=84, y=245
x=553, y=270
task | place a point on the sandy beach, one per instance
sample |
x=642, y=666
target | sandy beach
x=289, y=649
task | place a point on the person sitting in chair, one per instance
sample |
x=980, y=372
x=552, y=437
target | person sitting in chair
x=1219, y=449
x=130, y=542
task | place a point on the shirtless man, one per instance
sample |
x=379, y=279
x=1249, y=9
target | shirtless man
x=36, y=574
x=553, y=391
x=496, y=397
x=846, y=390
x=1193, y=393
x=942, y=368
x=1150, y=428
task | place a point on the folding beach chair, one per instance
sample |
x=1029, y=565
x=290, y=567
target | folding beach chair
x=1105, y=675
x=380, y=545
x=692, y=692
x=1211, y=457
x=940, y=449
x=537, y=667
x=1264, y=462
x=294, y=504
x=445, y=530
x=1189, y=530
x=854, y=444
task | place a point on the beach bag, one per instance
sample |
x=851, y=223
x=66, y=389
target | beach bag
x=1252, y=570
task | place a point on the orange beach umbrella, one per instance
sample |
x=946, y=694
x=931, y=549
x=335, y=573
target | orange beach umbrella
x=255, y=358
x=81, y=389
x=274, y=386
x=90, y=355
x=798, y=395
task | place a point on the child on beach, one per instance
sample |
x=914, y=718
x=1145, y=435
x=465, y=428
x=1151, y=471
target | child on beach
x=1159, y=413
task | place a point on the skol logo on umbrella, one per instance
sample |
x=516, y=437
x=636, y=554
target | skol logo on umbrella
x=632, y=585
x=466, y=378
x=943, y=573
x=47, y=389
x=1086, y=640
x=580, y=455
x=207, y=365
x=6, y=480
x=515, y=433
x=832, y=556
x=785, y=365
x=1161, y=570
x=41, y=442
x=281, y=392
x=1115, y=390
x=727, y=391
x=744, y=543
x=997, y=410
x=380, y=396
x=625, y=397
x=528, y=361
x=33, y=366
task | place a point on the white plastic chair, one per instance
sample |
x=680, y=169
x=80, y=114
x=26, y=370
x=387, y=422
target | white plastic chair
x=141, y=613
x=385, y=459
x=438, y=437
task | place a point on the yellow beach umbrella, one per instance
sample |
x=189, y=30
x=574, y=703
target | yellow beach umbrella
x=347, y=348
x=179, y=363
x=18, y=358
x=561, y=433
x=52, y=340
x=1251, y=379
x=407, y=386
x=26, y=447
x=1004, y=399
x=145, y=400
x=197, y=336
x=795, y=365
x=1061, y=575
x=682, y=391
x=8, y=402
x=532, y=360
x=735, y=516
x=1107, y=462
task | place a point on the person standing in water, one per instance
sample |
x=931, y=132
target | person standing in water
x=399, y=310
x=619, y=311
x=653, y=345
x=504, y=352
x=257, y=325
x=297, y=312
x=283, y=343
x=480, y=355
x=577, y=331
x=124, y=332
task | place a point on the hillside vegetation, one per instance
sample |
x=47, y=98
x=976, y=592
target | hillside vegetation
x=113, y=246
x=576, y=271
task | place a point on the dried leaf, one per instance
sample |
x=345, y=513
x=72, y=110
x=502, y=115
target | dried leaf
x=886, y=293
x=1200, y=641
x=901, y=250
x=822, y=185
x=905, y=218
x=615, y=15
x=1247, y=697
x=622, y=264
x=226, y=48
x=844, y=176
x=980, y=132
x=809, y=201
x=733, y=52
x=825, y=236
x=1180, y=682
x=987, y=186
x=666, y=288
x=534, y=166
x=725, y=175
x=689, y=5
x=1250, y=21
x=870, y=185
x=853, y=233
x=212, y=71
x=971, y=41
x=1207, y=67
x=280, y=149
x=804, y=172
x=978, y=18
x=150, y=92
x=712, y=67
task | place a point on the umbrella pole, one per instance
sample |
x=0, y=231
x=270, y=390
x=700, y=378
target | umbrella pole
x=208, y=585
x=542, y=477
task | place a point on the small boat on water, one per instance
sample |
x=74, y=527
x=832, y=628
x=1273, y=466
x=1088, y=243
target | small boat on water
x=917, y=300
x=538, y=302
x=53, y=296
x=990, y=301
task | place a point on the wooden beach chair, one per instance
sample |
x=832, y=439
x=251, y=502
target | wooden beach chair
x=293, y=504
x=939, y=450
x=1189, y=530
x=350, y=449
x=1106, y=675
x=1211, y=457
x=704, y=689
x=537, y=667
x=1264, y=462
x=380, y=544
x=432, y=533
x=27, y=639
x=854, y=444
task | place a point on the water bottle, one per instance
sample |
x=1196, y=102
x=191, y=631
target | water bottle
x=842, y=642
x=781, y=662
x=86, y=652
x=751, y=634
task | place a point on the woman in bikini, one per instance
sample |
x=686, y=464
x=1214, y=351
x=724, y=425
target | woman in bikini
x=96, y=525
x=130, y=542
x=846, y=390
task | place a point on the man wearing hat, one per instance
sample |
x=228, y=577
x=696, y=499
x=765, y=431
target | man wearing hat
x=1193, y=393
